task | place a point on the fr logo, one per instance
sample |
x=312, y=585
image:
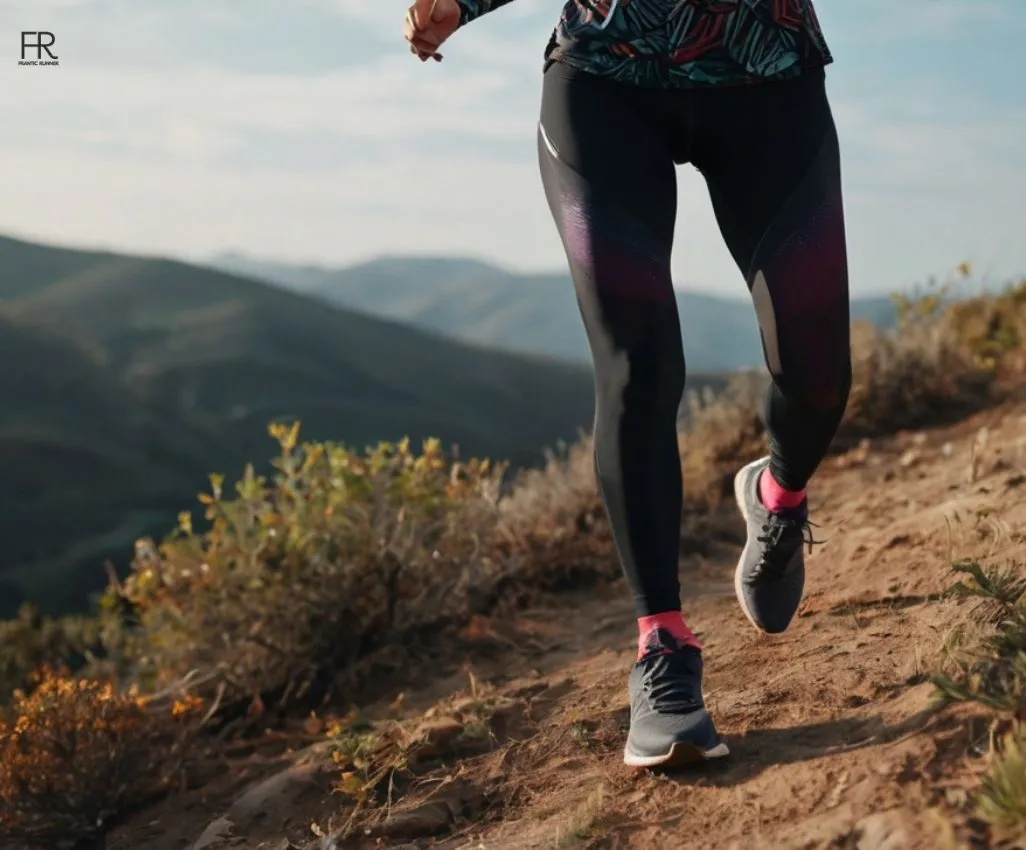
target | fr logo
x=36, y=48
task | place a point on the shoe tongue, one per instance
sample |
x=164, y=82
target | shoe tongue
x=799, y=514
x=662, y=642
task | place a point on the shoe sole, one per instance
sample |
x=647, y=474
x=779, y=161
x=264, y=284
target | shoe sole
x=679, y=755
x=739, y=497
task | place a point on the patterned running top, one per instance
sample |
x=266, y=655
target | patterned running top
x=683, y=43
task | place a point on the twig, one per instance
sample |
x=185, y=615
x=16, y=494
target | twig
x=187, y=681
x=221, y=688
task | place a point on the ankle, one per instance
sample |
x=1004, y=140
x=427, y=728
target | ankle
x=668, y=621
x=775, y=497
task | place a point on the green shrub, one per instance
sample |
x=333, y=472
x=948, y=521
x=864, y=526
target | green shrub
x=302, y=574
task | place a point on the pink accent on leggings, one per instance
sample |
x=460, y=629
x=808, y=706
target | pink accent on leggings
x=775, y=497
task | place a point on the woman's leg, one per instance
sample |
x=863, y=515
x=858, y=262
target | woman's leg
x=611, y=186
x=771, y=158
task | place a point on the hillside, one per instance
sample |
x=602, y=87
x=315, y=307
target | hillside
x=514, y=741
x=369, y=649
x=126, y=380
x=480, y=303
x=87, y=465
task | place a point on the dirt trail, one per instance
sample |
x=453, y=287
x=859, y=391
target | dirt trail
x=833, y=742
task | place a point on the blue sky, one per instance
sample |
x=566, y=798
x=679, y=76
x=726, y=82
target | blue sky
x=304, y=131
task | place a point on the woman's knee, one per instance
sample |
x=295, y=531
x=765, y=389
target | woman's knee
x=649, y=373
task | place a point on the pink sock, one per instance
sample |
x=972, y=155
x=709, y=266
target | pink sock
x=775, y=497
x=672, y=622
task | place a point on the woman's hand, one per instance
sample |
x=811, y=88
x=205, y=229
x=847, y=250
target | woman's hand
x=429, y=23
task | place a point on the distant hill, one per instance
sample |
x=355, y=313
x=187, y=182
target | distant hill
x=126, y=380
x=86, y=464
x=536, y=313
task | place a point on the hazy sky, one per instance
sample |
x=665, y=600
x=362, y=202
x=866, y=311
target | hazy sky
x=304, y=130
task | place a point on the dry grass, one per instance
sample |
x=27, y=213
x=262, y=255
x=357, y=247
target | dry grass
x=581, y=821
x=1002, y=795
x=918, y=375
x=724, y=432
x=985, y=658
x=985, y=662
x=994, y=330
x=552, y=532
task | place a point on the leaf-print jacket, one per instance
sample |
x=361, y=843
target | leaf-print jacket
x=684, y=43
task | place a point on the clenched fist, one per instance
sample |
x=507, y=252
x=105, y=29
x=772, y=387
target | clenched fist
x=429, y=23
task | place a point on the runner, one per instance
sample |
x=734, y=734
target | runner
x=735, y=88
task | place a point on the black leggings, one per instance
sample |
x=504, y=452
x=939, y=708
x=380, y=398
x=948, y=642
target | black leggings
x=769, y=154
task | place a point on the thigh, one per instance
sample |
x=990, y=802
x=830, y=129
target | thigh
x=771, y=159
x=610, y=182
x=770, y=156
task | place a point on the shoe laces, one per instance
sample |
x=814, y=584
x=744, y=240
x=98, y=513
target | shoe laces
x=781, y=537
x=671, y=680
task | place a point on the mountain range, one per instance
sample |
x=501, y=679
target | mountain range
x=532, y=313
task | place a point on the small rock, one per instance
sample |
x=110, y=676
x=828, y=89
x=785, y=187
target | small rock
x=856, y=456
x=438, y=735
x=440, y=730
x=434, y=739
x=426, y=819
x=217, y=835
x=884, y=831
x=908, y=459
x=437, y=814
x=465, y=705
x=285, y=789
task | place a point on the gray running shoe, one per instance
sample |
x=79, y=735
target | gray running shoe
x=669, y=724
x=770, y=575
